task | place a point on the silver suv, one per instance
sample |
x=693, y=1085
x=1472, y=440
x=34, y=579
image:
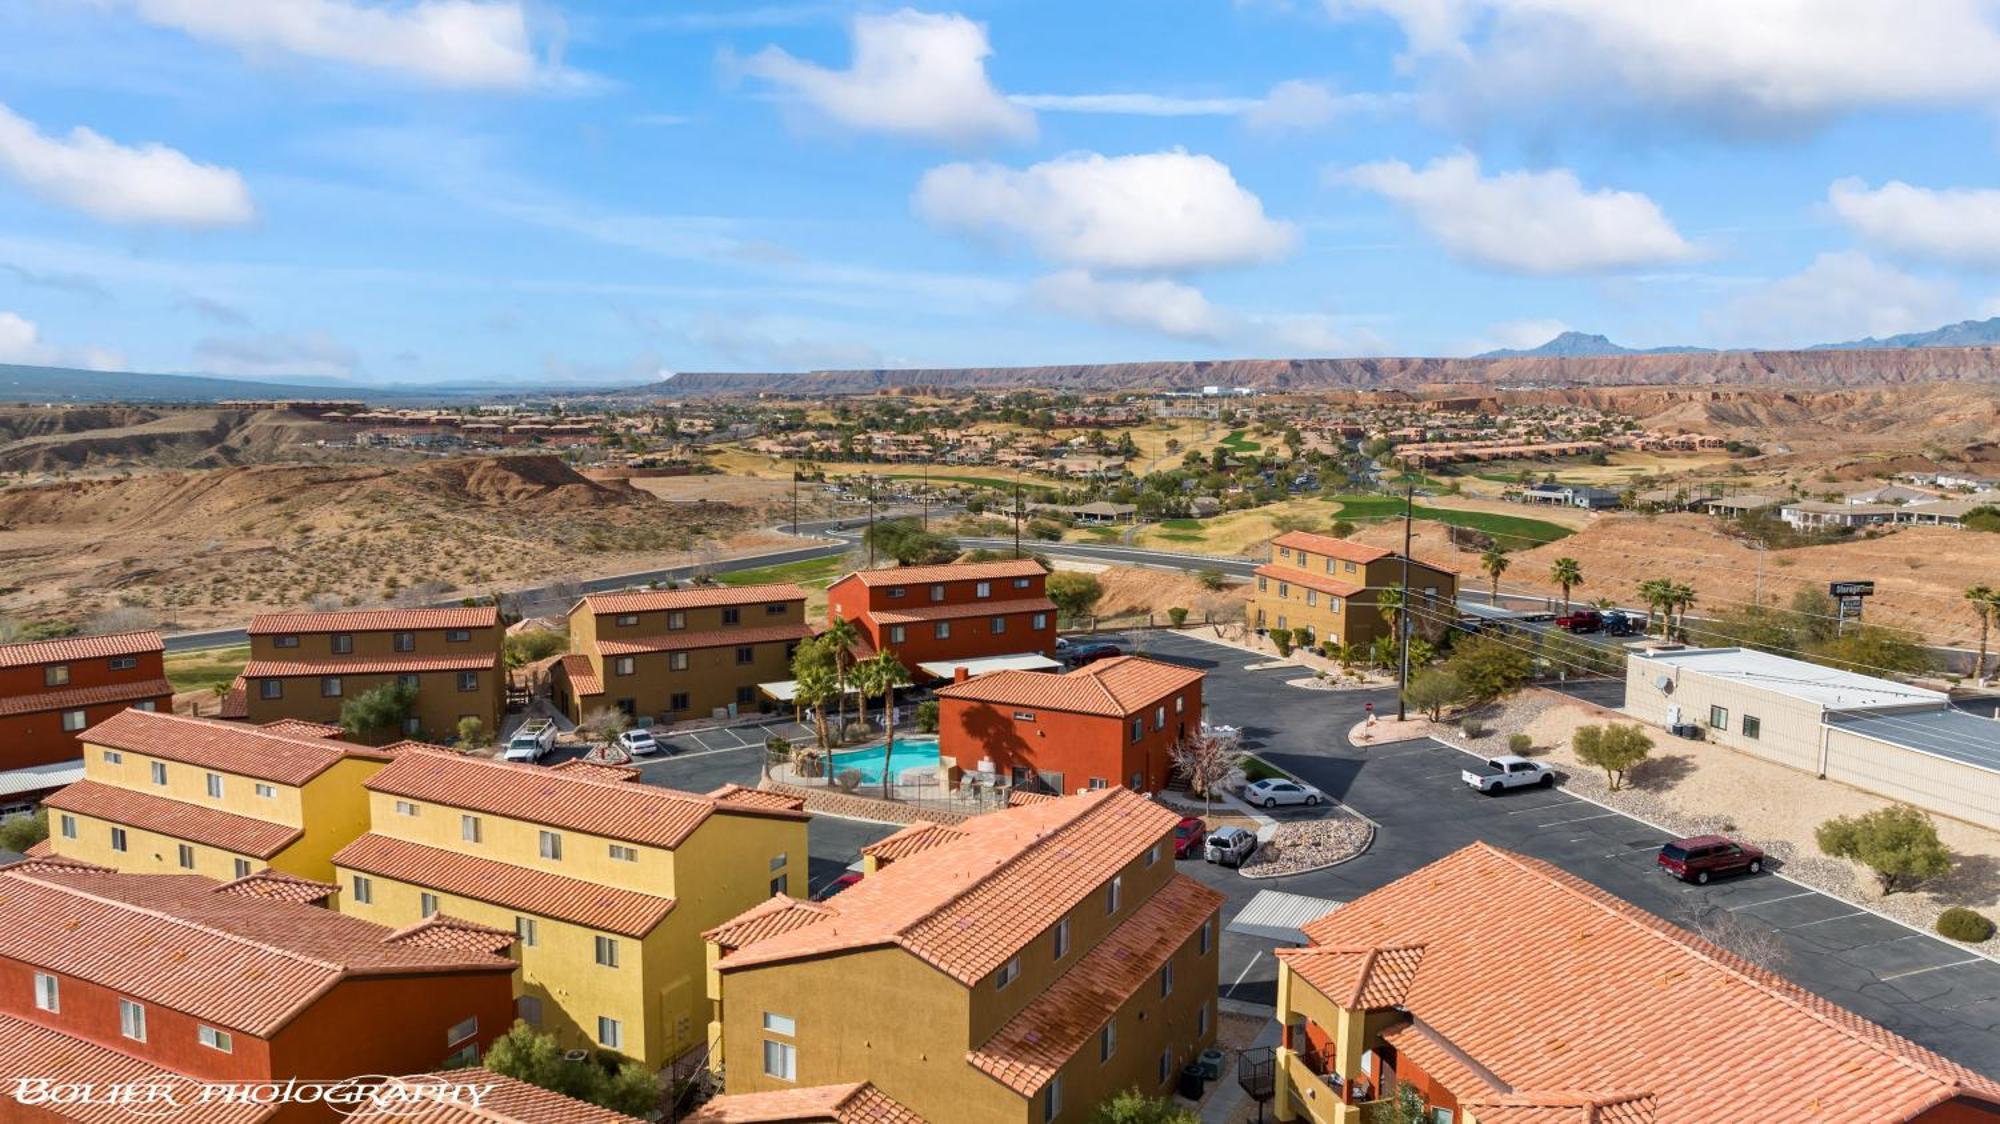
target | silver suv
x=1229, y=846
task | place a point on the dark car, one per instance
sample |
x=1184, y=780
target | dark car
x=1189, y=834
x=837, y=885
x=1703, y=857
x=1619, y=623
x=1082, y=654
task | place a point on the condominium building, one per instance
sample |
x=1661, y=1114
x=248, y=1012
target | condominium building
x=169, y=793
x=107, y=977
x=1326, y=589
x=675, y=654
x=491, y=1098
x=608, y=881
x=1503, y=989
x=1112, y=722
x=1020, y=967
x=308, y=665
x=51, y=690
x=939, y=619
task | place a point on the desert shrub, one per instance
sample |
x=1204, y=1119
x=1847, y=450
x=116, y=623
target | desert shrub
x=854, y=732
x=1899, y=844
x=18, y=833
x=1519, y=744
x=1177, y=616
x=1472, y=727
x=1962, y=924
x=471, y=731
x=1613, y=748
x=1434, y=690
x=1211, y=579
x=848, y=779
x=1281, y=638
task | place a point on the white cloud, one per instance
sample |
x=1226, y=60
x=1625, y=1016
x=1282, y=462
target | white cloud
x=1526, y=222
x=149, y=184
x=276, y=355
x=1294, y=105
x=1154, y=304
x=1311, y=335
x=1760, y=63
x=1300, y=105
x=21, y=342
x=913, y=73
x=1839, y=297
x=1518, y=335
x=456, y=43
x=1160, y=212
x=1956, y=224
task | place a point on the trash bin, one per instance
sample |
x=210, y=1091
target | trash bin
x=1191, y=1081
x=1211, y=1064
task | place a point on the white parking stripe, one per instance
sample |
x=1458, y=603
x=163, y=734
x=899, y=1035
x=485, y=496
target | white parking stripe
x=1933, y=968
x=1768, y=901
x=1823, y=920
x=1239, y=976
x=1580, y=819
x=1543, y=807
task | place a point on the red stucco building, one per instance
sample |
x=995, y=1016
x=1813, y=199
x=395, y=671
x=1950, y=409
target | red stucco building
x=52, y=689
x=1114, y=722
x=244, y=981
x=948, y=614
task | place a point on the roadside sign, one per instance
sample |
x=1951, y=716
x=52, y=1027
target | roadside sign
x=1851, y=589
x=1850, y=606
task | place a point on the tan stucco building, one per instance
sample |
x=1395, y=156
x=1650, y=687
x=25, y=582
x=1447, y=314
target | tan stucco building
x=675, y=654
x=1329, y=589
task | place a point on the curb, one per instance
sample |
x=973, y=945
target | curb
x=1366, y=846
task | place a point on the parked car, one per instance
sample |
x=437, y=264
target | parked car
x=1229, y=846
x=638, y=743
x=1496, y=774
x=1082, y=654
x=532, y=740
x=1274, y=791
x=1701, y=857
x=837, y=885
x=1618, y=622
x=1189, y=835
x=1581, y=620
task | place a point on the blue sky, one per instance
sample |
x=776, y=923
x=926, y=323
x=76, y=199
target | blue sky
x=386, y=191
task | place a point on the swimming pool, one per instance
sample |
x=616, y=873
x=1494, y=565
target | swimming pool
x=917, y=751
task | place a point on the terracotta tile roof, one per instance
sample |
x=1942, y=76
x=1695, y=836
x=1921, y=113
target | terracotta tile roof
x=696, y=597
x=210, y=827
x=965, y=907
x=779, y=913
x=1033, y=1045
x=1347, y=550
x=1605, y=1004
x=299, y=727
x=236, y=961
x=1115, y=688
x=74, y=698
x=637, y=813
x=1565, y=1108
x=1310, y=580
x=401, y=665
x=949, y=572
x=596, y=770
x=582, y=677
x=30, y=1049
x=452, y=934
x=507, y=1100
x=919, y=836
x=711, y=638
x=1370, y=978
x=918, y=614
x=41, y=863
x=278, y=886
x=1444, y=1062
x=236, y=701
x=229, y=747
x=69, y=648
x=815, y=1104
x=614, y=910
x=741, y=796
x=375, y=620
x=1019, y=796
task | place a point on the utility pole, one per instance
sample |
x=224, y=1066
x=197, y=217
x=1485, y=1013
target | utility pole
x=795, y=501
x=927, y=496
x=1017, y=521
x=871, y=522
x=1403, y=617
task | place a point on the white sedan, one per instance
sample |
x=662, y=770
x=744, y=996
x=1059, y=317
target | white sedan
x=638, y=743
x=1275, y=791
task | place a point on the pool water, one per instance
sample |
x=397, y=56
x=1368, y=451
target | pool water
x=914, y=752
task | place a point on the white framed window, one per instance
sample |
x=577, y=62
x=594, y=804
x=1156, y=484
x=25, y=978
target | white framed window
x=623, y=665
x=1041, y=621
x=1166, y=1066
x=1152, y=854
x=937, y=593
x=405, y=808
x=159, y=770
x=185, y=855
x=1114, y=893
x=897, y=633
x=781, y=1060
x=364, y=889
x=1201, y=1020
x=74, y=720
x=626, y=620
x=241, y=867
x=67, y=824
x=329, y=686
x=607, y=951
x=132, y=1020
x=1166, y=979
x=427, y=904
x=48, y=992
x=1718, y=718
x=781, y=1024
x=1052, y=1099
x=1008, y=973
x=268, y=792
x=524, y=931
x=982, y=589
x=528, y=1008
x=551, y=846
x=779, y=860
x=677, y=661
x=1207, y=935
x=610, y=1033
x=624, y=854
x=215, y=1039
x=1107, y=1041
x=999, y=625
x=676, y=621
x=468, y=681
x=1022, y=583
x=55, y=675
x=1062, y=938
x=270, y=688
x=460, y=1031
x=468, y=829
x=118, y=839
x=214, y=783
x=113, y=757
x=941, y=630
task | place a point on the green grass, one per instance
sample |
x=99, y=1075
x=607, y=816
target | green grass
x=1237, y=443
x=1179, y=536
x=1515, y=529
x=1257, y=769
x=814, y=572
x=1111, y=535
x=205, y=670
x=993, y=482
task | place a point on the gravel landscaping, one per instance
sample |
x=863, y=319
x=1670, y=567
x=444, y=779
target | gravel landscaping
x=1294, y=848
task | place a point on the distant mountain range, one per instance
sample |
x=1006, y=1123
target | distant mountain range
x=64, y=384
x=1966, y=333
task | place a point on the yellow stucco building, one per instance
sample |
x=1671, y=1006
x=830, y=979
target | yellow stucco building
x=607, y=882
x=1328, y=589
x=171, y=794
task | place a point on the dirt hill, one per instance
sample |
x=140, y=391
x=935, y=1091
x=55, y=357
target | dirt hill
x=43, y=440
x=1938, y=414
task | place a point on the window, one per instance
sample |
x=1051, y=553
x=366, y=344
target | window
x=677, y=661
x=896, y=633
x=624, y=854
x=241, y=867
x=1312, y=597
x=524, y=931
x=468, y=681
x=676, y=621
x=124, y=663
x=1207, y=935
x=215, y=1039
x=1165, y=1067
x=329, y=687
x=214, y=782
x=1099, y=782
x=364, y=890
x=781, y=1024
x=270, y=688
x=1052, y=1099
x=1062, y=938
x=1201, y=1019
x=74, y=720
x=1022, y=583
x=1138, y=728
x=941, y=630
x=780, y=860
x=291, y=641
x=143, y=704
x=937, y=593
x=427, y=904
x=678, y=701
x=732, y=616
x=159, y=772
x=1107, y=1042
x=622, y=665
x=1180, y=704
x=68, y=825
x=113, y=757
x=1159, y=718
x=118, y=839
x=1114, y=893
x=775, y=608
x=1007, y=973
x=1284, y=589
x=468, y=829
x=1718, y=718
x=460, y=1031
x=406, y=642
x=746, y=695
x=551, y=845
x=999, y=625
x=405, y=808
x=781, y=1060
x=1152, y=854
x=781, y=884
x=528, y=1009
x=1752, y=726
x=1166, y=979
x=55, y=675
x=131, y=1020
x=412, y=726
x=896, y=591
x=626, y=620
x=983, y=589
x=1024, y=716
x=610, y=1033
x=184, y=854
x=1041, y=621
x=1263, y=583
x=458, y=636
x=745, y=654
x=343, y=643
x=48, y=992
x=268, y=792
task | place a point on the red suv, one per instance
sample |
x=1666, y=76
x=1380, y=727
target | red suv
x=1703, y=857
x=1189, y=834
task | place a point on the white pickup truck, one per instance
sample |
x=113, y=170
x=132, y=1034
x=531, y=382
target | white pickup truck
x=1509, y=771
x=532, y=741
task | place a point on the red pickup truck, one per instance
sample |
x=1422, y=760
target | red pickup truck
x=1581, y=620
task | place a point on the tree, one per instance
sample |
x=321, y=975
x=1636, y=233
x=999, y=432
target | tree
x=1211, y=579
x=1075, y=594
x=1205, y=760
x=1403, y=1105
x=524, y=648
x=1872, y=650
x=1489, y=668
x=1134, y=1107
x=1680, y=598
x=1657, y=593
x=816, y=685
x=1567, y=573
x=1613, y=748
x=1281, y=639
x=906, y=541
x=839, y=639
x=471, y=732
x=1898, y=843
x=18, y=833
x=885, y=673
x=1985, y=602
x=374, y=711
x=527, y=1054
x=1495, y=563
x=605, y=723
x=1434, y=690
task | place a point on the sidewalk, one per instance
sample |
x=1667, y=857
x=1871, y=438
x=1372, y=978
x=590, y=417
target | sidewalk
x=1229, y=1104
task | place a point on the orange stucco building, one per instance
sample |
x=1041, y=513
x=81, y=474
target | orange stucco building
x=949, y=614
x=52, y=690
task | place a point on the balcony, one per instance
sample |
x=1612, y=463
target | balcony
x=1317, y=1092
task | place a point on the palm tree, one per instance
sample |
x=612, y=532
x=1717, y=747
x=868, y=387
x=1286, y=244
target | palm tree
x=885, y=674
x=1657, y=593
x=1680, y=598
x=1389, y=603
x=842, y=634
x=1568, y=573
x=814, y=688
x=1986, y=602
x=1495, y=563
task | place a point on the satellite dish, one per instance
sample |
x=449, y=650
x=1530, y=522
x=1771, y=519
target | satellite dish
x=1665, y=683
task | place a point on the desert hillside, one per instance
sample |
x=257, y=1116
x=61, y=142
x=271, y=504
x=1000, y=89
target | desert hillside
x=213, y=547
x=48, y=440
